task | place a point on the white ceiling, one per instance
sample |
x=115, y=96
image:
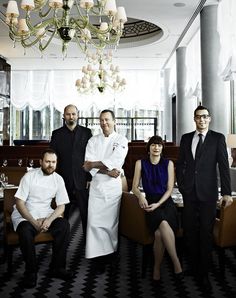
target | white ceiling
x=172, y=19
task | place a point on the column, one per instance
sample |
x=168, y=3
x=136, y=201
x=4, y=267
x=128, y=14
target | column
x=167, y=116
x=213, y=87
x=184, y=107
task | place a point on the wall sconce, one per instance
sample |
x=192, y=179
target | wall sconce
x=231, y=143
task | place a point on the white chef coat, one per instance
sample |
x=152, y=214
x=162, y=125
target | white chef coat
x=38, y=190
x=104, y=194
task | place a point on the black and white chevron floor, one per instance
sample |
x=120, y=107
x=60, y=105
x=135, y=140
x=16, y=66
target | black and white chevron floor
x=125, y=282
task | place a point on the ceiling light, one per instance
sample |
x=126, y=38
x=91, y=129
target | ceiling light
x=101, y=77
x=70, y=20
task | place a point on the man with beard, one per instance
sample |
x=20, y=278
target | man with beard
x=33, y=214
x=69, y=142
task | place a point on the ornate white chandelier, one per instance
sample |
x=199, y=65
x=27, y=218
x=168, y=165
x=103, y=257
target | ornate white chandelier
x=69, y=19
x=98, y=77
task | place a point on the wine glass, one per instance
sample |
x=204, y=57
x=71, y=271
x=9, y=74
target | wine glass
x=20, y=162
x=31, y=163
x=3, y=179
x=4, y=164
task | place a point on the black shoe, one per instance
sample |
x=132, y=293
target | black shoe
x=29, y=280
x=61, y=273
x=205, y=284
x=156, y=282
x=179, y=276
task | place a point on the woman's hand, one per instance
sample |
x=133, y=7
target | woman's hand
x=152, y=207
x=142, y=202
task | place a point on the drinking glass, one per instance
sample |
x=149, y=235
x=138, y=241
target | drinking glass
x=20, y=162
x=3, y=180
x=31, y=163
x=4, y=164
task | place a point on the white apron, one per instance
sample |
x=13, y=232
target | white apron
x=103, y=216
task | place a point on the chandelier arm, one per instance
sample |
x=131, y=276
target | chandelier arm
x=13, y=32
x=79, y=11
x=99, y=46
x=30, y=44
x=79, y=44
x=99, y=8
x=44, y=15
x=79, y=23
x=15, y=37
x=39, y=4
x=41, y=47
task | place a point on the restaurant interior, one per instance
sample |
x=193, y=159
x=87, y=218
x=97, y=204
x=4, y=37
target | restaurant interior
x=153, y=66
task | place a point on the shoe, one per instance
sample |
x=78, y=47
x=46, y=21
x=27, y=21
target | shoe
x=29, y=280
x=205, y=284
x=61, y=273
x=179, y=276
x=156, y=282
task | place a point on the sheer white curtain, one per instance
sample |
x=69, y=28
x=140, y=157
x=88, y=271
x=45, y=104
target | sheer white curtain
x=38, y=89
x=226, y=28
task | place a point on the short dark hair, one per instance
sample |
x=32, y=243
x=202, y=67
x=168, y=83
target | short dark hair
x=109, y=111
x=154, y=140
x=199, y=108
x=49, y=151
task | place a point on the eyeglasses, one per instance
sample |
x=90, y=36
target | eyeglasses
x=204, y=116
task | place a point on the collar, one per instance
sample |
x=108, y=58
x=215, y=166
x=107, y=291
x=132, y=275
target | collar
x=204, y=133
x=74, y=130
x=110, y=135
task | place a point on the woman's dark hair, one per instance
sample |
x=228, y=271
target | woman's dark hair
x=154, y=140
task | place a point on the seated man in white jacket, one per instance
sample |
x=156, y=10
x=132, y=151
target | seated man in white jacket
x=33, y=214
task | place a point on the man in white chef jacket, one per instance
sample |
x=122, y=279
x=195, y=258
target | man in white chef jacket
x=104, y=157
x=33, y=214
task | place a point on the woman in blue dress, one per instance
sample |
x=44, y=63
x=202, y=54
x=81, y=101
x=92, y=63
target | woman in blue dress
x=157, y=176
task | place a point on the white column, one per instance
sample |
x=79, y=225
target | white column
x=167, y=115
x=184, y=110
x=213, y=88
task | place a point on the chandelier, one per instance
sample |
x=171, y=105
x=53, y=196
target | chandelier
x=101, y=77
x=67, y=19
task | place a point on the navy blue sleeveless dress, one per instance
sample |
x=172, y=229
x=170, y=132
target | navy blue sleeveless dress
x=154, y=181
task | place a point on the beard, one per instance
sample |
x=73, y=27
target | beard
x=70, y=122
x=48, y=171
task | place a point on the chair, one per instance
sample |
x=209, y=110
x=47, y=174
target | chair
x=225, y=232
x=133, y=225
x=11, y=239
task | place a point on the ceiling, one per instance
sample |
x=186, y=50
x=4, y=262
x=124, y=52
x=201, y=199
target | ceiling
x=172, y=16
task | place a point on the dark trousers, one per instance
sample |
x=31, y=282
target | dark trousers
x=198, y=223
x=78, y=199
x=60, y=230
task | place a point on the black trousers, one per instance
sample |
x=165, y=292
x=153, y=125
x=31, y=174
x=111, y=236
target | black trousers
x=60, y=230
x=78, y=199
x=198, y=223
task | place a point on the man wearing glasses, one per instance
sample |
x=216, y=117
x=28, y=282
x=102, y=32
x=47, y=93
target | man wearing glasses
x=201, y=151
